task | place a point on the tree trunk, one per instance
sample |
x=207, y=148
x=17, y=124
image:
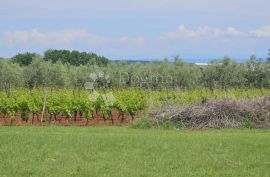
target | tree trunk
x=33, y=117
x=44, y=102
x=50, y=118
x=75, y=116
x=5, y=119
x=112, y=120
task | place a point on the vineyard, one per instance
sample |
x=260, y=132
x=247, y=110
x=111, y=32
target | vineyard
x=84, y=107
x=61, y=106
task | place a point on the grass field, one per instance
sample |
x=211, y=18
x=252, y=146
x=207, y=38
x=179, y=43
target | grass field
x=124, y=152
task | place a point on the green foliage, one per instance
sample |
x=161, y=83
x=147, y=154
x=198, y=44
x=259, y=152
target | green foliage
x=59, y=73
x=10, y=75
x=224, y=74
x=142, y=123
x=65, y=101
x=133, y=102
x=74, y=57
x=25, y=59
x=37, y=73
x=83, y=104
x=257, y=73
x=248, y=122
x=8, y=106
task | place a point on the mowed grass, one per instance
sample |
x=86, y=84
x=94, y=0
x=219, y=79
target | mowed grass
x=126, y=152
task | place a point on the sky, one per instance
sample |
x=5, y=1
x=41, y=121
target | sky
x=196, y=30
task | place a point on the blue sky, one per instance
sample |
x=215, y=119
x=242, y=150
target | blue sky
x=197, y=30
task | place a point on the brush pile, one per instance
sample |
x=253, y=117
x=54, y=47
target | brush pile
x=225, y=113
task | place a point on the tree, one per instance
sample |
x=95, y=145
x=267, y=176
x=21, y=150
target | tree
x=10, y=75
x=36, y=74
x=223, y=74
x=178, y=60
x=74, y=57
x=57, y=75
x=257, y=73
x=24, y=59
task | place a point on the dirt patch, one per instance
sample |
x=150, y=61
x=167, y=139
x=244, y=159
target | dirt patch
x=75, y=120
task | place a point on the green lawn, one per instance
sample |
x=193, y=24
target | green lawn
x=125, y=152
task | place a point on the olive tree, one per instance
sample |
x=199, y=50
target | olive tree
x=10, y=75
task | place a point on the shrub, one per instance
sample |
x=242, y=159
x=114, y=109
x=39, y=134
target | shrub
x=142, y=123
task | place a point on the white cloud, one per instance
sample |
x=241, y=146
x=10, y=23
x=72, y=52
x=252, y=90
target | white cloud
x=262, y=32
x=233, y=31
x=223, y=33
x=64, y=37
x=183, y=32
x=201, y=41
x=13, y=38
x=68, y=37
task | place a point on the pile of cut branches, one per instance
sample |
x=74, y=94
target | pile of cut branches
x=224, y=113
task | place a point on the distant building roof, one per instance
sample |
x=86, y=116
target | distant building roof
x=201, y=64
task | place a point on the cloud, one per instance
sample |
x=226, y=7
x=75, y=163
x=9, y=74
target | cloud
x=262, y=32
x=64, y=37
x=80, y=36
x=215, y=42
x=201, y=41
x=13, y=38
x=183, y=32
x=233, y=32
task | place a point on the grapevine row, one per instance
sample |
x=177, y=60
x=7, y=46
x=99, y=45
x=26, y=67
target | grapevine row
x=70, y=104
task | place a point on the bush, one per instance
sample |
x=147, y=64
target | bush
x=142, y=123
x=248, y=122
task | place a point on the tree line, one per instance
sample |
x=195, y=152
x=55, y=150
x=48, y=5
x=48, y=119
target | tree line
x=65, y=56
x=73, y=69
